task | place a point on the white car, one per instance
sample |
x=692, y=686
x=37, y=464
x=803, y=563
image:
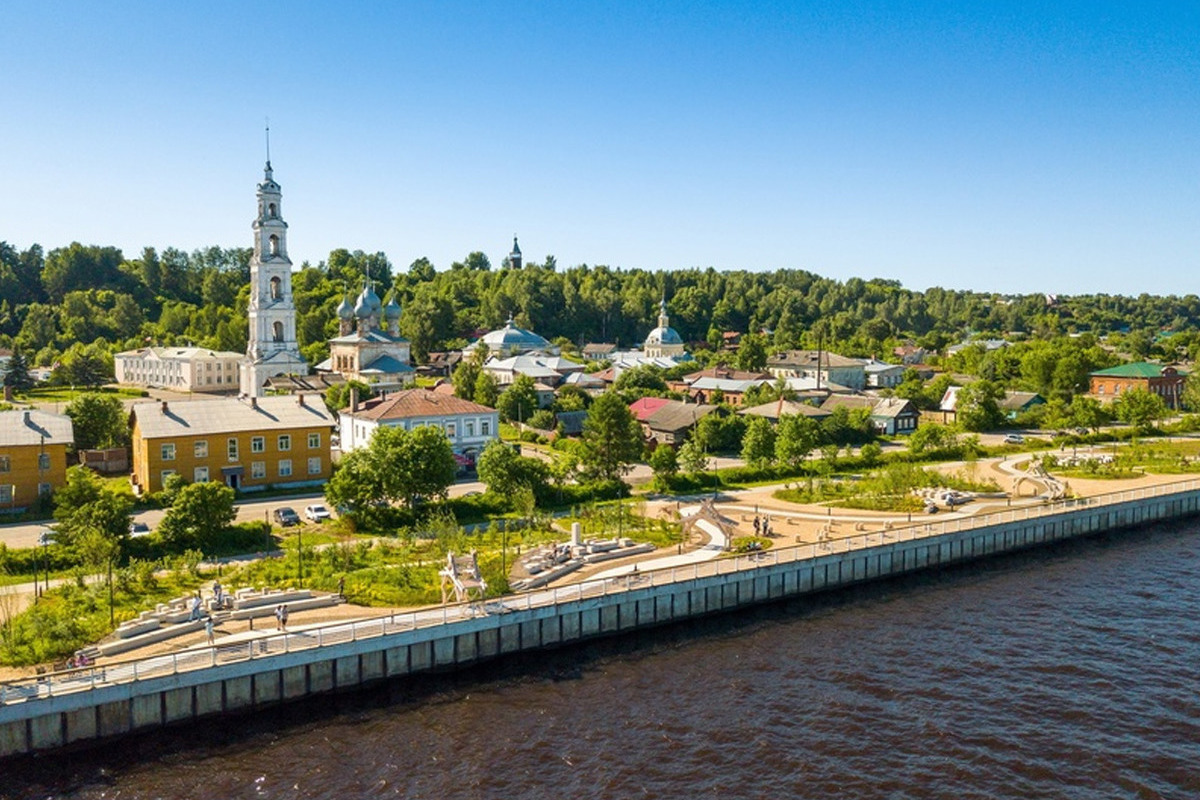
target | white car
x=1014, y=438
x=317, y=513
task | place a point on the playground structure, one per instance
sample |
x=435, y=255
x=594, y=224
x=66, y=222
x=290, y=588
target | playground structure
x=1052, y=487
x=462, y=574
x=707, y=512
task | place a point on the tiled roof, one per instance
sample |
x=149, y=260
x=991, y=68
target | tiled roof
x=29, y=426
x=808, y=358
x=229, y=415
x=411, y=403
x=726, y=373
x=778, y=408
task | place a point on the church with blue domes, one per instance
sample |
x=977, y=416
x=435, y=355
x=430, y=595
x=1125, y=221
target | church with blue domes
x=369, y=347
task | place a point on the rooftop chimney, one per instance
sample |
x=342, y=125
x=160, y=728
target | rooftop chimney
x=253, y=402
x=300, y=400
x=353, y=398
x=164, y=406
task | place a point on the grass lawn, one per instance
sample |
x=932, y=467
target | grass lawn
x=65, y=394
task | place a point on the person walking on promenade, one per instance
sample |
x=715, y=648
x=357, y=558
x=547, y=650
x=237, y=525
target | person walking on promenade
x=196, y=603
x=279, y=617
x=208, y=629
x=283, y=617
x=342, y=587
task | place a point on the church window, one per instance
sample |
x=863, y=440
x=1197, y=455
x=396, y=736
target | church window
x=271, y=210
x=278, y=328
x=273, y=245
x=276, y=288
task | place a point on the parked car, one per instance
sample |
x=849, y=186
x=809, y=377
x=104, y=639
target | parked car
x=137, y=529
x=287, y=516
x=316, y=513
x=1014, y=438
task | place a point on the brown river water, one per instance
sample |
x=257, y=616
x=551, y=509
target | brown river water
x=1069, y=672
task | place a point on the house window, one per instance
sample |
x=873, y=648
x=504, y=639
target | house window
x=43, y=461
x=200, y=475
x=200, y=449
x=167, y=451
x=285, y=467
x=314, y=441
x=44, y=489
x=6, y=493
x=258, y=469
x=485, y=428
x=314, y=465
x=166, y=473
x=470, y=428
x=258, y=444
x=285, y=442
x=5, y=464
x=451, y=430
x=233, y=450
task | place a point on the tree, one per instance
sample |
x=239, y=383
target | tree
x=979, y=406
x=795, y=438
x=642, y=380
x=1087, y=412
x=416, y=463
x=91, y=517
x=932, y=438
x=18, y=373
x=466, y=375
x=752, y=354
x=99, y=421
x=337, y=396
x=355, y=486
x=612, y=438
x=487, y=390
x=200, y=512
x=1191, y=391
x=518, y=402
x=758, y=444
x=692, y=457
x=1140, y=408
x=665, y=464
x=503, y=470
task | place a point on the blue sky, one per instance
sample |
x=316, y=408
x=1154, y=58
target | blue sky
x=996, y=146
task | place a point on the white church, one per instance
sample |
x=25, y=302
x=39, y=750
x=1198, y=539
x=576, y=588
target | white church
x=272, y=350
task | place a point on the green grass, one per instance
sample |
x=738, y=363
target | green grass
x=65, y=394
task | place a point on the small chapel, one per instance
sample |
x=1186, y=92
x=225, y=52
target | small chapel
x=369, y=347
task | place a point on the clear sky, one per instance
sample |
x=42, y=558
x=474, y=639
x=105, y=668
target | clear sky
x=1015, y=147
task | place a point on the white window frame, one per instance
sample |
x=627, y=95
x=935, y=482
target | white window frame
x=314, y=441
x=285, y=468
x=258, y=444
x=200, y=448
x=284, y=442
x=231, y=450
x=314, y=465
x=166, y=451
x=258, y=470
x=200, y=475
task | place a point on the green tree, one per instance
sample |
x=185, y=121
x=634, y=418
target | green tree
x=1087, y=412
x=795, y=438
x=90, y=515
x=337, y=396
x=932, y=438
x=1191, y=391
x=503, y=470
x=518, y=402
x=979, y=406
x=1140, y=408
x=665, y=464
x=752, y=354
x=18, y=373
x=487, y=390
x=692, y=457
x=612, y=438
x=466, y=375
x=416, y=463
x=198, y=515
x=758, y=445
x=99, y=421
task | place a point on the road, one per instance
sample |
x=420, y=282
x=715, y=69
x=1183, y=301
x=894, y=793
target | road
x=26, y=534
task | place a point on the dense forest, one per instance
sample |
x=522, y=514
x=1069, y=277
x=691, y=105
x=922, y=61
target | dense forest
x=81, y=303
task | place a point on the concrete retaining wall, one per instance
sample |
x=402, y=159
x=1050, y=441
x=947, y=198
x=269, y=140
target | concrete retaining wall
x=111, y=710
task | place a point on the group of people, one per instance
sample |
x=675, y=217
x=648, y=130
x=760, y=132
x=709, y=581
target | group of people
x=762, y=526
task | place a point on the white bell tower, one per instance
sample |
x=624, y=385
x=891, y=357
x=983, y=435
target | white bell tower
x=272, y=349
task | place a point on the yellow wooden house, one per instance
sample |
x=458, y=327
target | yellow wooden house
x=246, y=443
x=33, y=456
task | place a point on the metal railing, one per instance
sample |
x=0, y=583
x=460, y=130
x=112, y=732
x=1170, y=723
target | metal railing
x=61, y=682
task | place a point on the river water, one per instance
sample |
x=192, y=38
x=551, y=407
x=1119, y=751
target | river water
x=1070, y=672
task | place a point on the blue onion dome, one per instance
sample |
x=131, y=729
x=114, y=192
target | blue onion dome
x=391, y=311
x=345, y=311
x=368, y=304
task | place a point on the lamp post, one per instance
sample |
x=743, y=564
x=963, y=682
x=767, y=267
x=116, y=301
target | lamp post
x=300, y=554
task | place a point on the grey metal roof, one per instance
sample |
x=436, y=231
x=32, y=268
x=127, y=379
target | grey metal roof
x=29, y=426
x=229, y=415
x=387, y=364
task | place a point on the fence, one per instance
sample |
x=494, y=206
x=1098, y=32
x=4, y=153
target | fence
x=57, y=683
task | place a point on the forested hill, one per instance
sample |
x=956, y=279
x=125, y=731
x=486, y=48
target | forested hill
x=53, y=304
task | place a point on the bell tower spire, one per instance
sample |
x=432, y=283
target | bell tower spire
x=272, y=348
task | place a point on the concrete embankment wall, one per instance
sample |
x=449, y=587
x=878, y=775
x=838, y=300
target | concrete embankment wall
x=113, y=709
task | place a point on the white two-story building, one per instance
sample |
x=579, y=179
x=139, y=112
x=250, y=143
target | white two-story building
x=469, y=426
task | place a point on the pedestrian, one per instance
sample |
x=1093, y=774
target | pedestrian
x=196, y=603
x=342, y=587
x=279, y=617
x=756, y=524
x=217, y=593
x=283, y=617
x=208, y=629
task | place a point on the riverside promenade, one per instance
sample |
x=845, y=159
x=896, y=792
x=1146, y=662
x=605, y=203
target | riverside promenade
x=63, y=708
